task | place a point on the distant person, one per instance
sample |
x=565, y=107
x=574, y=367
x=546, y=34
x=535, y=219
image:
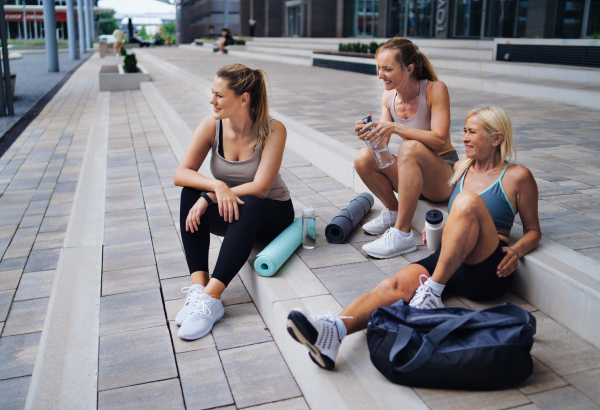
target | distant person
x=118, y=34
x=244, y=200
x=416, y=107
x=169, y=40
x=412, y=15
x=226, y=40
x=252, y=23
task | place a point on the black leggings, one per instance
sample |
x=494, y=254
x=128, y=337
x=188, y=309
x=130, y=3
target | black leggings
x=476, y=282
x=260, y=219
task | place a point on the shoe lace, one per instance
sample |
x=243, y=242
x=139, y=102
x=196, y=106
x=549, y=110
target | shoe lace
x=386, y=239
x=201, y=307
x=191, y=292
x=422, y=292
x=330, y=316
x=382, y=216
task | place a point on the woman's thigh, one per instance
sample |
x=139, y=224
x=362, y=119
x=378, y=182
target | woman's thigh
x=277, y=216
x=436, y=174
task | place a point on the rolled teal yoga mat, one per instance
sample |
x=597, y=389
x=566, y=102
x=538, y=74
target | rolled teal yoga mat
x=271, y=258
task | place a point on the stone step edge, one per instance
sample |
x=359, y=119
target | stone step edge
x=278, y=58
x=337, y=160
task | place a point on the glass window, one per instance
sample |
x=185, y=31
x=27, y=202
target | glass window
x=396, y=14
x=521, y=18
x=500, y=18
x=367, y=14
x=420, y=16
x=593, y=25
x=468, y=18
x=569, y=18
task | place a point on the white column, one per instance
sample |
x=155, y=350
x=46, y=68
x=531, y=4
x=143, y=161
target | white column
x=81, y=25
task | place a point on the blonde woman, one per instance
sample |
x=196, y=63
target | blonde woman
x=475, y=260
x=245, y=200
x=416, y=107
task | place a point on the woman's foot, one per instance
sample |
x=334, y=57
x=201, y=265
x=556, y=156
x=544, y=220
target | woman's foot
x=206, y=311
x=382, y=223
x=392, y=243
x=193, y=292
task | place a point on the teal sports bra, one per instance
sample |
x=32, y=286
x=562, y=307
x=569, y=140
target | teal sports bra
x=497, y=203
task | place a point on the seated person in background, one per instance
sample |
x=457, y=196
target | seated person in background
x=227, y=39
x=475, y=259
x=245, y=200
x=416, y=107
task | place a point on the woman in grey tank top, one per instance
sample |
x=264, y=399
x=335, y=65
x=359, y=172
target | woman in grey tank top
x=416, y=107
x=243, y=200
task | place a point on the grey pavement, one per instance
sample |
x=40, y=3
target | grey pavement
x=141, y=361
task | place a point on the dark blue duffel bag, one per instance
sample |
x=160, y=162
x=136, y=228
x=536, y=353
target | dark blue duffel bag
x=452, y=347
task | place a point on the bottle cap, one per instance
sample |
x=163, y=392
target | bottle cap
x=434, y=217
x=308, y=211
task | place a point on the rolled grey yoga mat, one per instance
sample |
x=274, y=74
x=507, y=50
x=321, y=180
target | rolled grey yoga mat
x=342, y=225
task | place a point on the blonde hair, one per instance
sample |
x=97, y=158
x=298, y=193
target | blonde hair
x=495, y=120
x=242, y=79
x=406, y=53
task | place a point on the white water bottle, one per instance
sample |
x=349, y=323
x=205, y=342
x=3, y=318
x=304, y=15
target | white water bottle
x=379, y=149
x=434, y=227
x=309, y=228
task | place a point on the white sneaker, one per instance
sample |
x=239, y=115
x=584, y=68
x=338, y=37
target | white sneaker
x=424, y=297
x=193, y=292
x=382, y=223
x=318, y=333
x=206, y=311
x=391, y=244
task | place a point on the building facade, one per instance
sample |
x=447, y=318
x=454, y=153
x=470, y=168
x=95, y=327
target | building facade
x=469, y=19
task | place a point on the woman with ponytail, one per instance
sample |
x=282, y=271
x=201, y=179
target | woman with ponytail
x=416, y=107
x=475, y=260
x=244, y=200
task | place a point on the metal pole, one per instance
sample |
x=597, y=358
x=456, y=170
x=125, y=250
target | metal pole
x=88, y=26
x=81, y=25
x=24, y=22
x=35, y=33
x=226, y=13
x=50, y=34
x=92, y=22
x=71, y=30
x=7, y=83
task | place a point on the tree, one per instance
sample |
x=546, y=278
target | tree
x=107, y=22
x=169, y=28
x=143, y=33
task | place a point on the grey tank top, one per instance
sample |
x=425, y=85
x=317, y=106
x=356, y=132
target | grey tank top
x=422, y=119
x=235, y=173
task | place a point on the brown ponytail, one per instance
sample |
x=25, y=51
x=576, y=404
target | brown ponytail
x=406, y=54
x=242, y=80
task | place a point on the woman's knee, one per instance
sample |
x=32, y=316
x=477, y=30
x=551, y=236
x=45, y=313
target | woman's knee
x=391, y=289
x=364, y=160
x=466, y=204
x=252, y=205
x=411, y=149
x=189, y=196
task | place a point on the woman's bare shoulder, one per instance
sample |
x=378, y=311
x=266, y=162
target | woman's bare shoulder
x=519, y=174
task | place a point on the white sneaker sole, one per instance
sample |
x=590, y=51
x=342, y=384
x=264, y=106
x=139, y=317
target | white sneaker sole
x=391, y=255
x=206, y=332
x=371, y=232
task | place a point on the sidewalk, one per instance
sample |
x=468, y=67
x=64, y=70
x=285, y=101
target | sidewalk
x=47, y=180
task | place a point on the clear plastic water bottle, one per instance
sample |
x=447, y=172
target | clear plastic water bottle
x=379, y=149
x=309, y=228
x=434, y=227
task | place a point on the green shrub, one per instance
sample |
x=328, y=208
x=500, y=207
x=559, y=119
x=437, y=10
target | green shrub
x=596, y=36
x=240, y=42
x=373, y=47
x=123, y=51
x=359, y=47
x=130, y=63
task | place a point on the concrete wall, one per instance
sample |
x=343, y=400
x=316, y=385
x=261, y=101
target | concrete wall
x=196, y=16
x=259, y=16
x=322, y=18
x=274, y=18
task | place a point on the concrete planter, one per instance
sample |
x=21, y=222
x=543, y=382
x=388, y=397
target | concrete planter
x=355, y=62
x=113, y=78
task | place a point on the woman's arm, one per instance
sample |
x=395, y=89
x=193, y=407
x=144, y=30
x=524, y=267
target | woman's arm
x=437, y=138
x=527, y=206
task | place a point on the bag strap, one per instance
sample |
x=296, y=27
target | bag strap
x=431, y=340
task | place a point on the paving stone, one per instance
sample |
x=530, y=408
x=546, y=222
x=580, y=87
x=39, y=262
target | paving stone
x=35, y=285
x=17, y=355
x=166, y=241
x=182, y=345
x=577, y=202
x=347, y=282
x=6, y=297
x=507, y=297
x=165, y=394
x=203, y=380
x=26, y=317
x=54, y=223
x=171, y=288
x=306, y=172
x=173, y=307
x=542, y=379
x=329, y=255
x=129, y=280
x=131, y=311
x=587, y=383
x=135, y=357
x=49, y=240
x=172, y=265
x=561, y=350
x=44, y=259
x=128, y=217
x=235, y=293
x=314, y=200
x=241, y=325
x=124, y=202
x=13, y=393
x=563, y=398
x=159, y=220
x=292, y=404
x=126, y=256
x=390, y=266
x=120, y=235
x=31, y=221
x=257, y=374
x=10, y=279
x=467, y=400
x=122, y=189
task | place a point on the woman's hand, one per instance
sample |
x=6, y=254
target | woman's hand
x=509, y=263
x=193, y=219
x=424, y=237
x=228, y=203
x=378, y=130
x=361, y=128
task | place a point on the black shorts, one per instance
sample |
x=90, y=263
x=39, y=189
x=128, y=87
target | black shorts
x=476, y=282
